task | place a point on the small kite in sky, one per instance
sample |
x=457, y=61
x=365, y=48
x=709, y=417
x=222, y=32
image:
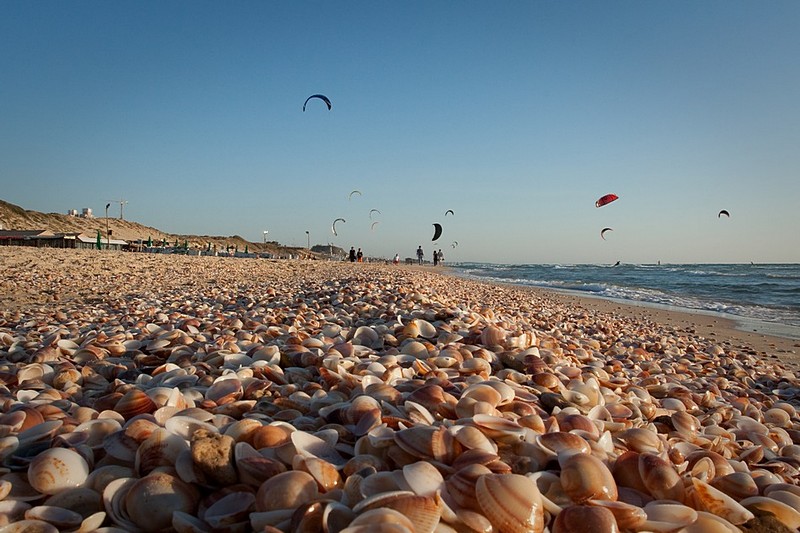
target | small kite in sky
x=607, y=199
x=321, y=97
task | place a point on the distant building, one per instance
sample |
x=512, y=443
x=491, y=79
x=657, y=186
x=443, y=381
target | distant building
x=72, y=212
x=48, y=239
x=87, y=212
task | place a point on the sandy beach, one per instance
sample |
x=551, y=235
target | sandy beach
x=298, y=392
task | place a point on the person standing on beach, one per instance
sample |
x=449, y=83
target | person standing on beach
x=396, y=259
x=360, y=256
x=440, y=256
x=435, y=258
x=420, y=254
x=352, y=255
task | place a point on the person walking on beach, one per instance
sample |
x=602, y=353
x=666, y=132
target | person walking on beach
x=420, y=254
x=396, y=259
x=352, y=255
x=360, y=256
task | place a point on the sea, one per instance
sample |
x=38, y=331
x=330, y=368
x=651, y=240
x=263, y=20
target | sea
x=763, y=294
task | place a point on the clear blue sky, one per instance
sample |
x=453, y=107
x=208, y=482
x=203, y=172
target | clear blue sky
x=516, y=115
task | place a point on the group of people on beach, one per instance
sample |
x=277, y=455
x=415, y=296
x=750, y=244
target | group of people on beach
x=438, y=257
x=356, y=257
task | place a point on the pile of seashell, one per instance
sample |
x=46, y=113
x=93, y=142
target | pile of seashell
x=329, y=399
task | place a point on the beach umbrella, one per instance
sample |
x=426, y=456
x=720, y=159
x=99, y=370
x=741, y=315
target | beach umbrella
x=149, y=241
x=99, y=241
x=186, y=244
x=209, y=247
x=245, y=249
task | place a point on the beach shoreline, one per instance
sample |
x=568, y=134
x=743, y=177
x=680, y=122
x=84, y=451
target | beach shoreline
x=734, y=331
x=706, y=326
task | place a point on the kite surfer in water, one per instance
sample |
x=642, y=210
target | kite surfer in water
x=616, y=264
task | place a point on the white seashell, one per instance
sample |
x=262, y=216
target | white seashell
x=309, y=445
x=423, y=478
x=185, y=426
x=57, y=469
x=230, y=509
x=717, y=502
x=29, y=526
x=56, y=516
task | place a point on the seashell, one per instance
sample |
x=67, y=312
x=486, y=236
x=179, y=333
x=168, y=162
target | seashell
x=231, y=509
x=710, y=523
x=423, y=478
x=472, y=438
x=707, y=498
x=161, y=448
x=492, y=336
x=424, y=512
x=55, y=516
x=665, y=516
x=511, y=502
x=134, y=402
x=461, y=485
x=374, y=519
x=150, y=501
x=271, y=436
x=628, y=517
x=224, y=391
x=424, y=442
x=29, y=526
x=324, y=473
x=39, y=433
x=184, y=426
x=738, y=485
x=57, y=469
x=559, y=442
x=787, y=515
x=98, y=429
x=416, y=349
x=660, y=478
x=309, y=445
x=288, y=490
x=792, y=499
x=584, y=477
x=584, y=518
x=83, y=500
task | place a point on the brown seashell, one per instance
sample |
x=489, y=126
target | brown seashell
x=323, y=472
x=152, y=499
x=224, y=391
x=707, y=498
x=585, y=518
x=492, y=336
x=628, y=517
x=660, y=478
x=428, y=443
x=288, y=490
x=461, y=485
x=270, y=436
x=134, y=402
x=511, y=502
x=738, y=485
x=584, y=477
x=424, y=512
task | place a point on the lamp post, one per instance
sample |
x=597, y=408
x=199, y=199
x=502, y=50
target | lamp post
x=108, y=235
